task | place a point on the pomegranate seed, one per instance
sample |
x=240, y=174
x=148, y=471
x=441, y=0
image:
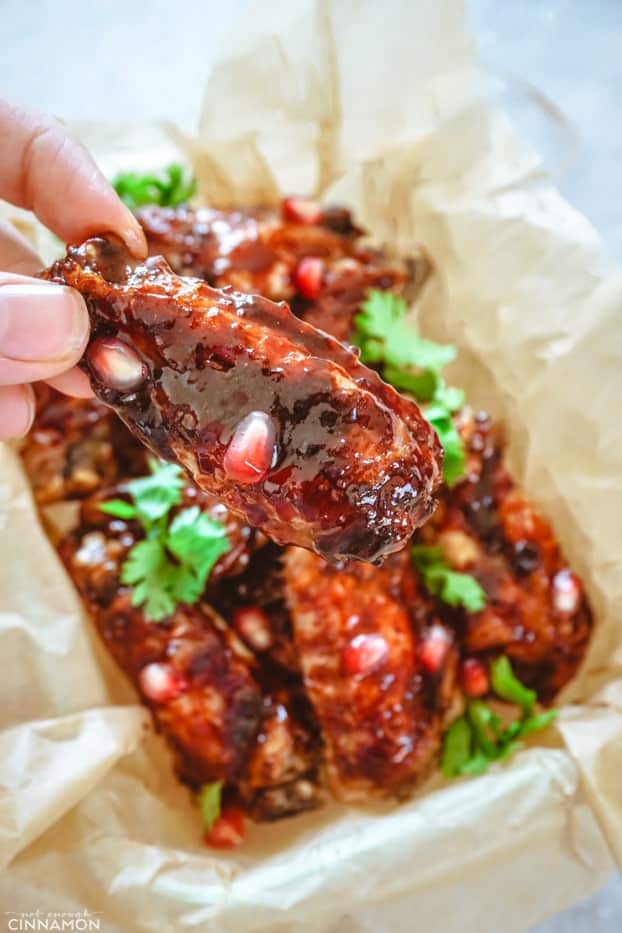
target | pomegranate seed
x=250, y=452
x=364, y=654
x=301, y=210
x=474, y=678
x=567, y=591
x=253, y=625
x=160, y=682
x=116, y=364
x=434, y=648
x=228, y=830
x=308, y=276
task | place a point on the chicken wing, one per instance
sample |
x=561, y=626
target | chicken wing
x=76, y=446
x=361, y=635
x=202, y=685
x=281, y=422
x=536, y=611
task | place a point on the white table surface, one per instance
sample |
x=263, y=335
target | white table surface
x=92, y=61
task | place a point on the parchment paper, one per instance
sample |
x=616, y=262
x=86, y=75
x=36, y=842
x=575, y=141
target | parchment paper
x=374, y=104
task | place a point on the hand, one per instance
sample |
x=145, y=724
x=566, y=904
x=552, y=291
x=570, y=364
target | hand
x=44, y=327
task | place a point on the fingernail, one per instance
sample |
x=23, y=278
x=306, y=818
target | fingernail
x=17, y=411
x=134, y=239
x=40, y=321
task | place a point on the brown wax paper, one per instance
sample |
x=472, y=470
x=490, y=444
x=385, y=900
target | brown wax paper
x=376, y=105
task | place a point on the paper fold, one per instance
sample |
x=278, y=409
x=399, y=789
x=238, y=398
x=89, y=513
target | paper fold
x=375, y=105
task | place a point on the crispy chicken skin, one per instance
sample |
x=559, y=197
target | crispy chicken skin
x=536, y=611
x=359, y=646
x=202, y=685
x=225, y=382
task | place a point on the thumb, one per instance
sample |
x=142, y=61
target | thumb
x=44, y=328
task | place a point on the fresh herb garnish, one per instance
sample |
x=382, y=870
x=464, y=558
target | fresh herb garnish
x=209, y=802
x=385, y=336
x=507, y=686
x=388, y=340
x=170, y=187
x=172, y=563
x=477, y=738
x=455, y=589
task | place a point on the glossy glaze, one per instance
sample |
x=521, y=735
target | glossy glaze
x=355, y=465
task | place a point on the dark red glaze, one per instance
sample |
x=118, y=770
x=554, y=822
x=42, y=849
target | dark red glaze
x=358, y=632
x=365, y=682
x=536, y=611
x=357, y=464
x=209, y=696
x=257, y=251
x=257, y=596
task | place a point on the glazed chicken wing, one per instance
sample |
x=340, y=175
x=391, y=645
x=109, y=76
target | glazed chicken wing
x=203, y=687
x=536, y=611
x=76, y=446
x=280, y=421
x=378, y=689
x=306, y=254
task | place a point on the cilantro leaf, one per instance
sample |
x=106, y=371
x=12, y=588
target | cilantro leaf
x=422, y=385
x=384, y=335
x=155, y=495
x=451, y=442
x=457, y=747
x=541, y=721
x=476, y=765
x=451, y=397
x=144, y=559
x=507, y=686
x=158, y=602
x=476, y=739
x=146, y=568
x=197, y=540
x=485, y=724
x=389, y=341
x=119, y=508
x=209, y=802
x=171, y=186
x=172, y=563
x=453, y=588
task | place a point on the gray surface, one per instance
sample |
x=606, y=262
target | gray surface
x=115, y=60
x=570, y=50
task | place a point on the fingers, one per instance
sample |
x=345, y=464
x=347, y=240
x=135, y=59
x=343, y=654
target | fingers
x=44, y=170
x=17, y=410
x=44, y=329
x=16, y=255
x=73, y=382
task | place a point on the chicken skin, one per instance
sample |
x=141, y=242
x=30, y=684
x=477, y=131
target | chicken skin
x=361, y=633
x=278, y=420
x=203, y=686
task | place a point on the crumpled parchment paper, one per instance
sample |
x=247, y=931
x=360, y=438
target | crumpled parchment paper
x=375, y=105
